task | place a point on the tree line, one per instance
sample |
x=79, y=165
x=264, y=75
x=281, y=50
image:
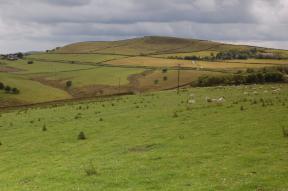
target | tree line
x=232, y=55
x=249, y=77
x=9, y=89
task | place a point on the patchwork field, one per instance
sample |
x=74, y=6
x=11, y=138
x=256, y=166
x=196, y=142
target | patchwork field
x=155, y=141
x=161, y=62
x=119, y=67
x=74, y=58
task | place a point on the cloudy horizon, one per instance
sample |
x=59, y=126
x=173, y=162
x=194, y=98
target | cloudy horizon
x=27, y=25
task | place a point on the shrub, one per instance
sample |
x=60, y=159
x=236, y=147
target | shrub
x=7, y=89
x=30, y=62
x=44, y=128
x=165, y=78
x=164, y=70
x=285, y=132
x=68, y=84
x=15, y=91
x=2, y=86
x=81, y=136
x=156, y=81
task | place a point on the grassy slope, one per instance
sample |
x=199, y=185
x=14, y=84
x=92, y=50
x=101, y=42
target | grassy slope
x=160, y=62
x=86, y=75
x=30, y=91
x=99, y=75
x=145, y=45
x=139, y=145
x=93, y=58
x=44, y=67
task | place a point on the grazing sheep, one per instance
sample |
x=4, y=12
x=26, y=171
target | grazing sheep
x=246, y=93
x=265, y=91
x=191, y=101
x=217, y=100
x=255, y=93
x=276, y=91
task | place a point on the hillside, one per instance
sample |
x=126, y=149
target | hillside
x=150, y=45
x=150, y=142
x=125, y=67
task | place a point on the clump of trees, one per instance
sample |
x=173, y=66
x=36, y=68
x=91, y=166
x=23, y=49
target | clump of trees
x=233, y=54
x=9, y=89
x=249, y=77
x=68, y=84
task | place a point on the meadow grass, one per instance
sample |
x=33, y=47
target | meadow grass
x=150, y=142
x=93, y=58
x=161, y=62
x=96, y=76
x=44, y=67
x=30, y=91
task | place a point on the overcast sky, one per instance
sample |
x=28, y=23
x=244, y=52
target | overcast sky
x=44, y=24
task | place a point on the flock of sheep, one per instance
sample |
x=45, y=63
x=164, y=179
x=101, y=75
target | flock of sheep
x=220, y=100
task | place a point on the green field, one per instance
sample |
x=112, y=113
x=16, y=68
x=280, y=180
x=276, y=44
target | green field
x=83, y=58
x=105, y=68
x=44, y=67
x=31, y=91
x=150, y=142
x=97, y=75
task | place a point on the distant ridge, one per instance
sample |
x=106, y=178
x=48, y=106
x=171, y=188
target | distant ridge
x=148, y=45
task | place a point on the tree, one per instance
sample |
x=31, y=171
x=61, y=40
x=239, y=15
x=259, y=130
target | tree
x=68, y=84
x=1, y=86
x=7, y=89
x=20, y=55
x=81, y=136
x=15, y=91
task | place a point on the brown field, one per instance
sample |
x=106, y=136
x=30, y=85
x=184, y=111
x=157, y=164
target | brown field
x=187, y=77
x=160, y=62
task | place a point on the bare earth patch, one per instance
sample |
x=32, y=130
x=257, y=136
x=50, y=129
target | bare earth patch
x=9, y=69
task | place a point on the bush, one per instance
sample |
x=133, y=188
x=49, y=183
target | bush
x=164, y=70
x=7, y=89
x=68, y=84
x=44, y=128
x=81, y=136
x=237, y=79
x=285, y=132
x=15, y=91
x=165, y=78
x=2, y=86
x=30, y=62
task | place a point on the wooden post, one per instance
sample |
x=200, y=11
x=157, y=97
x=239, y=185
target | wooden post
x=178, y=83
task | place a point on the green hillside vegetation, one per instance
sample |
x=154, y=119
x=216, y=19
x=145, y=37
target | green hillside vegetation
x=74, y=58
x=150, y=142
x=146, y=45
x=126, y=66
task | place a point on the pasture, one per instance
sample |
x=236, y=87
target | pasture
x=75, y=58
x=105, y=68
x=154, y=141
x=162, y=62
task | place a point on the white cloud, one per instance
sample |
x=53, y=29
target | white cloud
x=43, y=24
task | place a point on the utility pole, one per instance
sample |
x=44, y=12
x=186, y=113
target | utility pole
x=119, y=83
x=178, y=83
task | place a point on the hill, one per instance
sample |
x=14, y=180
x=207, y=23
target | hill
x=128, y=66
x=150, y=45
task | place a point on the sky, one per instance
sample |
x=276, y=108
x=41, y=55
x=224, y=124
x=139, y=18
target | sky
x=31, y=25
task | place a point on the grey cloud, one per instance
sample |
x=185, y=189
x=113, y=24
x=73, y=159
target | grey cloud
x=44, y=23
